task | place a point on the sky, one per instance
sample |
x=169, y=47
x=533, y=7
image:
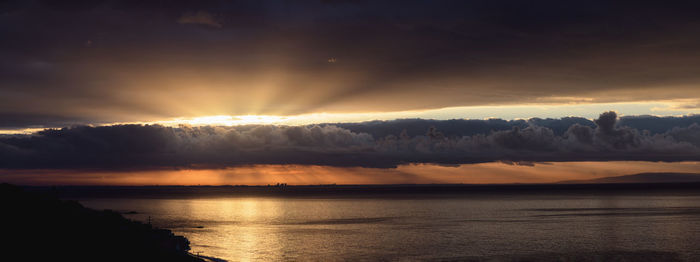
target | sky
x=145, y=87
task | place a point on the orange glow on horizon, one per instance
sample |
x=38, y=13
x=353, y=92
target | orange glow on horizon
x=484, y=173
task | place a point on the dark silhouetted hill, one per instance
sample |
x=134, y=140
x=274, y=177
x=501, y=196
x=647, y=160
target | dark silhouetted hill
x=40, y=227
x=641, y=178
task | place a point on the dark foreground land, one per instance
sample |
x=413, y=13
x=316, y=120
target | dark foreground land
x=40, y=227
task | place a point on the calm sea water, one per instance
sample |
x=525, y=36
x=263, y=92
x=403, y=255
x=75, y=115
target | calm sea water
x=559, y=227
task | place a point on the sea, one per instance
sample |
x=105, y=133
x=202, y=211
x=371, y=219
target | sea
x=412, y=223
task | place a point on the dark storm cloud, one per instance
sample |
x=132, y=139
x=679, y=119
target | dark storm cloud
x=113, y=61
x=153, y=146
x=459, y=127
x=470, y=127
x=657, y=125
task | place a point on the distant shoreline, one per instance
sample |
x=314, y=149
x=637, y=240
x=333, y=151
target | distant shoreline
x=362, y=191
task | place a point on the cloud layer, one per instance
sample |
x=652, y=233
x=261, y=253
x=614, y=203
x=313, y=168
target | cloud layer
x=158, y=147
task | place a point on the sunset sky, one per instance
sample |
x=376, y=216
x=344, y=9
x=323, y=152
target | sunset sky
x=257, y=92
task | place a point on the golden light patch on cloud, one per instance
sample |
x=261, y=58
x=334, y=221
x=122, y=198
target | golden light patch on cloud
x=484, y=173
x=23, y=131
x=680, y=105
x=223, y=120
x=565, y=100
x=199, y=17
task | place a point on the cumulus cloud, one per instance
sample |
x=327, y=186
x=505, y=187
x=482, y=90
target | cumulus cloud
x=157, y=147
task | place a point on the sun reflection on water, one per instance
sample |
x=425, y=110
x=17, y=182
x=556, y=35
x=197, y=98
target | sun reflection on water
x=249, y=234
x=479, y=226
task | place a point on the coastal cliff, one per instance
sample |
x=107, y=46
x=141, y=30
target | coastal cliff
x=41, y=227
